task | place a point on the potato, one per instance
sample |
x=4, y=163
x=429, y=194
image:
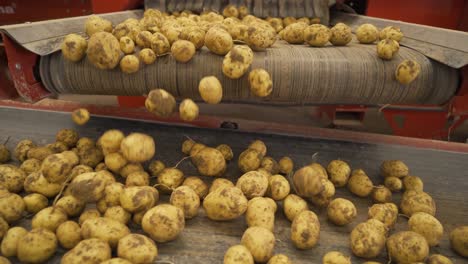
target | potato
x=307, y=182
x=160, y=44
x=209, y=162
x=68, y=234
x=160, y=103
x=278, y=187
x=30, y=165
x=339, y=172
x=182, y=50
x=90, y=156
x=367, y=239
x=459, y=240
x=294, y=33
x=407, y=247
x=163, y=222
x=9, y=244
x=22, y=148
x=210, y=90
x=279, y=259
x=115, y=161
x=341, y=211
x=218, y=41
x=138, y=147
x=11, y=207
x=360, y=184
x=391, y=32
x=413, y=202
x=118, y=213
x=238, y=254
x=225, y=203
x=129, y=64
x=220, y=182
x=187, y=200
x=381, y=194
x=286, y=165
x=49, y=218
x=260, y=36
x=35, y=202
x=103, y=50
x=194, y=34
x=37, y=183
x=112, y=194
x=394, y=168
x=74, y=47
x=127, y=45
x=110, y=141
x=172, y=31
x=260, y=82
x=335, y=257
x=226, y=151
x=305, y=230
x=260, y=242
x=106, y=229
x=253, y=184
x=387, y=213
x=230, y=11
x=11, y=178
x=138, y=198
x=317, y=35
x=129, y=168
x=259, y=146
x=137, y=249
x=367, y=33
x=261, y=212
x=407, y=71
x=37, y=246
x=88, y=214
x=394, y=184
x=288, y=21
x=197, y=185
x=293, y=205
x=39, y=153
x=101, y=167
x=169, y=179
x=340, y=35
x=80, y=116
x=138, y=178
x=58, y=147
x=143, y=39
x=187, y=146
x=96, y=24
x=188, y=110
x=85, y=142
x=116, y=261
x=387, y=48
x=56, y=168
x=95, y=249
x=4, y=154
x=89, y=187
x=237, y=61
x=249, y=160
x=3, y=227
x=438, y=259
x=427, y=226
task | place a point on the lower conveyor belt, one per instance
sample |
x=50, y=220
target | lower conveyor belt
x=301, y=75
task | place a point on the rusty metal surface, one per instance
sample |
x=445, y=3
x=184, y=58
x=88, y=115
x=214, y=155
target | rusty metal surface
x=205, y=241
x=447, y=46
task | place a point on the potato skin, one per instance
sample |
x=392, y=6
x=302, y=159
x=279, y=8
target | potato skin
x=427, y=226
x=367, y=239
x=387, y=213
x=110, y=141
x=279, y=259
x=278, y=187
x=394, y=168
x=198, y=185
x=88, y=249
x=68, y=234
x=413, y=202
x=335, y=257
x=88, y=214
x=80, y=116
x=11, y=206
x=187, y=200
x=37, y=183
x=220, y=182
x=160, y=44
x=74, y=47
x=253, y=184
x=218, y=41
x=225, y=203
x=293, y=205
x=89, y=187
x=188, y=110
x=381, y=194
x=339, y=172
x=11, y=178
x=317, y=35
x=307, y=182
x=137, y=178
x=138, y=147
x=413, y=183
x=137, y=249
x=127, y=45
x=260, y=242
x=238, y=254
x=194, y=34
x=294, y=33
x=367, y=33
x=169, y=179
x=22, y=148
x=459, y=240
x=261, y=212
x=3, y=227
x=407, y=247
x=249, y=160
x=138, y=198
x=407, y=71
x=118, y=213
x=116, y=261
x=438, y=259
x=103, y=50
x=391, y=32
x=226, y=151
x=161, y=230
x=9, y=244
x=360, y=184
x=106, y=229
x=394, y=184
x=160, y=103
x=96, y=24
x=129, y=64
x=341, y=211
x=49, y=218
x=260, y=82
x=305, y=230
x=183, y=50
x=37, y=246
x=387, y=48
x=210, y=90
x=209, y=162
x=340, y=35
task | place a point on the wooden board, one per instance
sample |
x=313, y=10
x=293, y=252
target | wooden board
x=205, y=241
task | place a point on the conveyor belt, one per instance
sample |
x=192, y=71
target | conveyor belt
x=301, y=75
x=204, y=241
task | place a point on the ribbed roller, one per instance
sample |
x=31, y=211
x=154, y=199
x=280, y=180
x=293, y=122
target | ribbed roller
x=301, y=75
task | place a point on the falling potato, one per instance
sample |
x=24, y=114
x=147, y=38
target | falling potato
x=80, y=116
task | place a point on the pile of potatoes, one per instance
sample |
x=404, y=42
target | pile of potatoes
x=82, y=195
